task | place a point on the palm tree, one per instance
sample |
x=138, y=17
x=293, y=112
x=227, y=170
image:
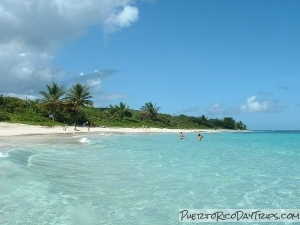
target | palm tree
x=150, y=110
x=122, y=110
x=52, y=97
x=78, y=96
x=241, y=126
x=111, y=111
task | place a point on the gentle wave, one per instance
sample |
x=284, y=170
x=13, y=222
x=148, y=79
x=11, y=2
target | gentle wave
x=19, y=156
x=145, y=179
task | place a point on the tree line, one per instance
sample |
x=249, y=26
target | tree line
x=74, y=106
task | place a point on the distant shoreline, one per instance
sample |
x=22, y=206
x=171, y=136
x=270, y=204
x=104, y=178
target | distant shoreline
x=16, y=129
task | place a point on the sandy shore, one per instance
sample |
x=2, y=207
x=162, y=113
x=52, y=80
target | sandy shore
x=13, y=129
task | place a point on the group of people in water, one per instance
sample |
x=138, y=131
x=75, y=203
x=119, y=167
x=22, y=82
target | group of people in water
x=199, y=136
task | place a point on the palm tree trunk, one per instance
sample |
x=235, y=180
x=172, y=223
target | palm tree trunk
x=53, y=110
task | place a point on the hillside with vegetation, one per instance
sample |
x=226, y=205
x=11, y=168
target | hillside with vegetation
x=74, y=106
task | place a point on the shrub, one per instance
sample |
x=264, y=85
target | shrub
x=4, y=116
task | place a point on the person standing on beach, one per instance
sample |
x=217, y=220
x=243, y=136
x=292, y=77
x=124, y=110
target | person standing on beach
x=181, y=136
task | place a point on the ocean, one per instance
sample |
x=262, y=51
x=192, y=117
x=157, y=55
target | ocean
x=116, y=178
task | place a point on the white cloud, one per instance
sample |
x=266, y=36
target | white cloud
x=93, y=78
x=215, y=109
x=94, y=82
x=121, y=18
x=114, y=96
x=33, y=30
x=254, y=105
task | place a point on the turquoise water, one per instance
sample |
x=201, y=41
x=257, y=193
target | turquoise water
x=101, y=178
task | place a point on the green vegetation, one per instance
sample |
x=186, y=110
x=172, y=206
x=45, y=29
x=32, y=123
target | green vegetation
x=77, y=97
x=52, y=98
x=77, y=108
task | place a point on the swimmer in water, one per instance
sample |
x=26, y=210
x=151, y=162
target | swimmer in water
x=181, y=136
x=200, y=137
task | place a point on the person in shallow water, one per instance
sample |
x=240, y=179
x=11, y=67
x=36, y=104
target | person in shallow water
x=181, y=136
x=89, y=125
x=200, y=137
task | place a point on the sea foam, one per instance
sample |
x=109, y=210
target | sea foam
x=84, y=140
x=2, y=155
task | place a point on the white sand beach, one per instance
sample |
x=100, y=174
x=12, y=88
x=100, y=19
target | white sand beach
x=13, y=129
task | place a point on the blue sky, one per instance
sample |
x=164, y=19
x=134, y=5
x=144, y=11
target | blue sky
x=215, y=58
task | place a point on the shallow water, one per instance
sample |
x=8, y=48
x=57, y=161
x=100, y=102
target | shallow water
x=101, y=178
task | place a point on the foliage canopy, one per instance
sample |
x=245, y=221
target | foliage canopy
x=77, y=108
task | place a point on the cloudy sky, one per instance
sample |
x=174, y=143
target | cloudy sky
x=194, y=57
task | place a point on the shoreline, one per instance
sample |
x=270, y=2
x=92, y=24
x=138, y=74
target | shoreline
x=16, y=129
